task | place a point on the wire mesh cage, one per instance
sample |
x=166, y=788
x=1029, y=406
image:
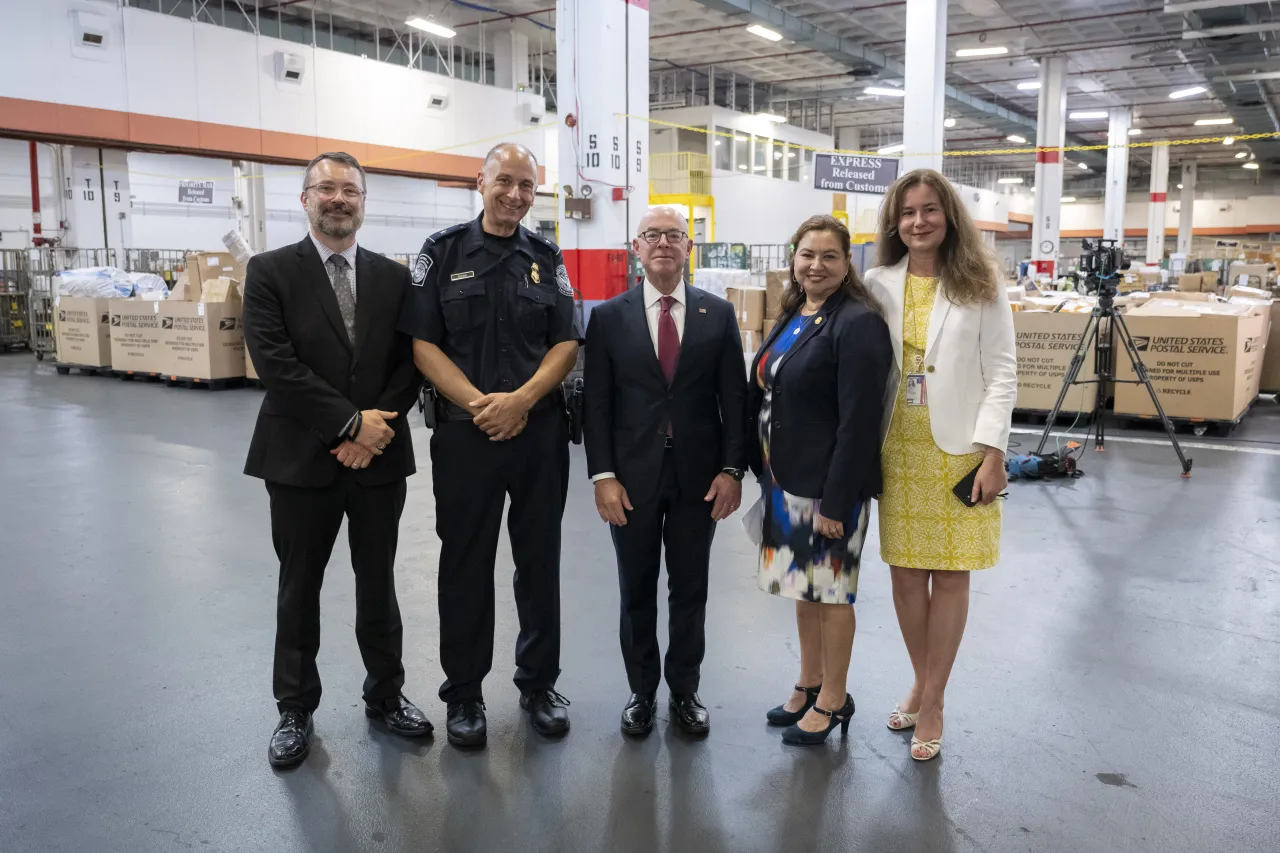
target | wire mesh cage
x=166, y=263
x=15, y=295
x=43, y=265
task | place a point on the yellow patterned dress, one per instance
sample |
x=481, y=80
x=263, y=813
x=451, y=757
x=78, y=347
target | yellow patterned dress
x=923, y=525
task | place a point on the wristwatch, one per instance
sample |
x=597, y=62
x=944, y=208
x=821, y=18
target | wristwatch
x=735, y=473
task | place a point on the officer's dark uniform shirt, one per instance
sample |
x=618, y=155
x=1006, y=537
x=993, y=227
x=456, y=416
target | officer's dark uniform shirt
x=494, y=305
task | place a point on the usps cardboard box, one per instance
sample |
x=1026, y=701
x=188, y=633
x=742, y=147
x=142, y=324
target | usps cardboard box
x=1046, y=342
x=776, y=283
x=748, y=305
x=204, y=340
x=82, y=330
x=1271, y=357
x=1204, y=359
x=204, y=266
x=135, y=336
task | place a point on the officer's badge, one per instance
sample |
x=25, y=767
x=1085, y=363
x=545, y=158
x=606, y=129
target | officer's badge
x=533, y=274
x=421, y=267
x=562, y=281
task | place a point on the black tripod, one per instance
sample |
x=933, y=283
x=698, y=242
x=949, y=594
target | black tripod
x=1104, y=365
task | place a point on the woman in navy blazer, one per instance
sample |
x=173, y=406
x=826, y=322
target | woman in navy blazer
x=817, y=402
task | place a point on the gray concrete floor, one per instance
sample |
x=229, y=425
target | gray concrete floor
x=1118, y=687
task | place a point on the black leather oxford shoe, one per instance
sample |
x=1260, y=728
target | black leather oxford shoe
x=466, y=726
x=547, y=711
x=400, y=716
x=291, y=741
x=690, y=714
x=637, y=716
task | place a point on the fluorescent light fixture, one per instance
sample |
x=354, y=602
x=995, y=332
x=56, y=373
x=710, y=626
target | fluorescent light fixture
x=1179, y=186
x=982, y=51
x=1068, y=199
x=1251, y=165
x=1228, y=140
x=742, y=166
x=1084, y=166
x=1135, y=131
x=1240, y=155
x=891, y=149
x=1009, y=180
x=777, y=155
x=1206, y=122
x=1188, y=92
x=791, y=153
x=1033, y=189
x=764, y=32
x=1021, y=140
x=718, y=141
x=1086, y=114
x=1029, y=85
x=948, y=122
x=772, y=117
x=430, y=27
x=888, y=93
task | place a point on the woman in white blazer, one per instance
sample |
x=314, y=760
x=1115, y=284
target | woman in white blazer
x=952, y=333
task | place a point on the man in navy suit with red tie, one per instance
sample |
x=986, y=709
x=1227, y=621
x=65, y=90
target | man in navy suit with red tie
x=665, y=421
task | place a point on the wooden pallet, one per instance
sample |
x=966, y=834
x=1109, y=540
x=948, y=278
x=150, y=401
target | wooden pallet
x=85, y=369
x=212, y=384
x=139, y=376
x=1197, y=426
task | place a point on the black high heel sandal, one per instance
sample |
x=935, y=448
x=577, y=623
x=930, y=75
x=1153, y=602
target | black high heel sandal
x=780, y=716
x=799, y=737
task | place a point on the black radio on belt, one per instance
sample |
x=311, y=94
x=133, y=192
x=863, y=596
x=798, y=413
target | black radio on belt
x=573, y=408
x=427, y=396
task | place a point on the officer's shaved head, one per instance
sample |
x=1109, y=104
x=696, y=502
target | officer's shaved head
x=662, y=215
x=507, y=182
x=503, y=150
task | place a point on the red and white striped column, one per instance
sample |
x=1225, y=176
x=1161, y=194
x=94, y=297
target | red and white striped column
x=602, y=76
x=1159, y=198
x=1051, y=134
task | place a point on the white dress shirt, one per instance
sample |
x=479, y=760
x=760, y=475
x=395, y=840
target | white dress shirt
x=652, y=313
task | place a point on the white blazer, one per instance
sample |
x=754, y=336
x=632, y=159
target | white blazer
x=970, y=363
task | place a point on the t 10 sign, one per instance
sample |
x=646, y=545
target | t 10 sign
x=849, y=173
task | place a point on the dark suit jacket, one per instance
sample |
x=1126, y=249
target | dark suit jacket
x=827, y=407
x=315, y=378
x=628, y=402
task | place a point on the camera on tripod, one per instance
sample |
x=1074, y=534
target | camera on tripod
x=1100, y=262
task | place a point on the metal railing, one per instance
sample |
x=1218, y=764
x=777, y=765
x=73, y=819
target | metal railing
x=683, y=173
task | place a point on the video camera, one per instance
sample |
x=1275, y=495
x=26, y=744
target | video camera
x=1100, y=261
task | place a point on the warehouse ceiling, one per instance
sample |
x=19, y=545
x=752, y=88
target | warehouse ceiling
x=1119, y=53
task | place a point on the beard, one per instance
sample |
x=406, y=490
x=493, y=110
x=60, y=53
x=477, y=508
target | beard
x=337, y=220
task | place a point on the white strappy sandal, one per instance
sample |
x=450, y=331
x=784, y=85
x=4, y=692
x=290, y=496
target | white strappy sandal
x=930, y=747
x=900, y=720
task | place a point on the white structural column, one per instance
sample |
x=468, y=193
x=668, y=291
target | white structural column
x=602, y=76
x=510, y=60
x=1188, y=203
x=1159, y=202
x=1051, y=134
x=924, y=109
x=1117, y=174
x=250, y=203
x=99, y=212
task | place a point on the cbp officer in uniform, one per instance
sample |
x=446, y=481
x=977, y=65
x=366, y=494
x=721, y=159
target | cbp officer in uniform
x=491, y=313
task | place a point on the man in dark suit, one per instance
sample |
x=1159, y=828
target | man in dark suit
x=665, y=421
x=320, y=324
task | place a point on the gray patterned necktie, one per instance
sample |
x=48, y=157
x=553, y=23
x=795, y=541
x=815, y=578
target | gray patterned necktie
x=340, y=278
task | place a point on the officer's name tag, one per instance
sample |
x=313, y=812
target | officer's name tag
x=459, y=276
x=916, y=393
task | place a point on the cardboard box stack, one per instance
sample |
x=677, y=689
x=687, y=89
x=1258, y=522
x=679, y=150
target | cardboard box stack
x=1046, y=342
x=1270, y=380
x=82, y=331
x=135, y=336
x=204, y=339
x=748, y=304
x=206, y=266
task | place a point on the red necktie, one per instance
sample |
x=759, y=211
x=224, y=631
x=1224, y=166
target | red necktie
x=668, y=340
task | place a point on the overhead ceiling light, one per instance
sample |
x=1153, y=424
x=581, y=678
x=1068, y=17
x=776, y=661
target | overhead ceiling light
x=430, y=27
x=1013, y=137
x=791, y=153
x=1135, y=131
x=1228, y=140
x=948, y=122
x=1240, y=155
x=1067, y=199
x=1086, y=114
x=718, y=141
x=1251, y=165
x=1084, y=166
x=772, y=117
x=1188, y=92
x=982, y=51
x=1029, y=85
x=1033, y=189
x=888, y=93
x=1009, y=180
x=1179, y=186
x=1205, y=122
x=891, y=149
x=764, y=32
x=742, y=166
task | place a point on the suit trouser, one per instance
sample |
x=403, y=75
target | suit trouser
x=472, y=477
x=304, y=526
x=681, y=522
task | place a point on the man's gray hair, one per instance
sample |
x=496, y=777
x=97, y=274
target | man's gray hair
x=508, y=147
x=663, y=208
x=338, y=157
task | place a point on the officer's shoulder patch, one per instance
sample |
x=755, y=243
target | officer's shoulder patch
x=562, y=281
x=421, y=267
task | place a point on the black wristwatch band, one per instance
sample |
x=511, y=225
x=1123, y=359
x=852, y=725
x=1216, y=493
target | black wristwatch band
x=735, y=473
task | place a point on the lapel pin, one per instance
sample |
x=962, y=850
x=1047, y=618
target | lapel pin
x=702, y=310
x=533, y=274
x=817, y=321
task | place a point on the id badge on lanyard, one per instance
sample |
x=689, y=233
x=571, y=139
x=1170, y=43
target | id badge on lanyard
x=917, y=393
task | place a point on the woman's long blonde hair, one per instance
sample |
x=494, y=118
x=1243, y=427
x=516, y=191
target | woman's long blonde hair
x=968, y=270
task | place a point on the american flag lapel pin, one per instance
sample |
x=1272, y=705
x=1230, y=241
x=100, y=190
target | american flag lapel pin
x=702, y=310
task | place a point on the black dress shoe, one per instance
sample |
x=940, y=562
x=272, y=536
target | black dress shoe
x=690, y=714
x=547, y=711
x=637, y=717
x=466, y=725
x=400, y=716
x=291, y=741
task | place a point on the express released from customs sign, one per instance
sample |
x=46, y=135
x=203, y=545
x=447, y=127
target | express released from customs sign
x=195, y=192
x=851, y=173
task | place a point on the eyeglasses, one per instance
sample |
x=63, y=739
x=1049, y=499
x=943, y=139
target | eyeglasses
x=653, y=237
x=349, y=191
